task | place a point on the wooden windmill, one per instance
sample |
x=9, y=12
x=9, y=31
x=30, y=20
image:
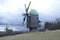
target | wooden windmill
x=31, y=20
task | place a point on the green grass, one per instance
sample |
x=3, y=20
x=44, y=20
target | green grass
x=47, y=35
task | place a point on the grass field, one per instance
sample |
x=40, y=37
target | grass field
x=47, y=35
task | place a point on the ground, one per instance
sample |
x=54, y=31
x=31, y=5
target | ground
x=46, y=35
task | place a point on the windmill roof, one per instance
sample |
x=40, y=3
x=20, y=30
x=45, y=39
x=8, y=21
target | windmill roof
x=33, y=12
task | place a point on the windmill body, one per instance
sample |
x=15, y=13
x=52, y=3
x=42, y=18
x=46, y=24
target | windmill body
x=32, y=22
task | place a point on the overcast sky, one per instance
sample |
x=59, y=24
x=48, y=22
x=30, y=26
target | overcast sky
x=47, y=9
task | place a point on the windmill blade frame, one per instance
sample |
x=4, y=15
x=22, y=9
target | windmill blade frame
x=28, y=7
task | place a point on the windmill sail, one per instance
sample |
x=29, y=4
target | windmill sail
x=26, y=9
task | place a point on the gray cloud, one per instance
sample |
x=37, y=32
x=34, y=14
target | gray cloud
x=16, y=18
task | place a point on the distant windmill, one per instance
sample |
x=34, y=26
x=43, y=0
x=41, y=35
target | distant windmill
x=32, y=18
